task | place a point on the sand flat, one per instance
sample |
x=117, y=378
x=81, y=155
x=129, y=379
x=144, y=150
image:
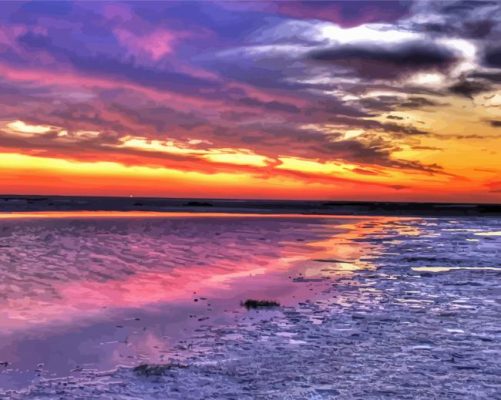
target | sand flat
x=88, y=299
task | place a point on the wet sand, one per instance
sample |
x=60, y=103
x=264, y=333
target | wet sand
x=372, y=307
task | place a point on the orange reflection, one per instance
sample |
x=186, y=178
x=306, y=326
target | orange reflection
x=342, y=254
x=80, y=300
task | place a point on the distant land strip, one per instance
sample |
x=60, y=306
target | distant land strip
x=26, y=203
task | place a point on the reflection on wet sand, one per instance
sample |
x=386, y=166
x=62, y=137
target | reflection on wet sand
x=105, y=290
x=416, y=295
x=166, y=281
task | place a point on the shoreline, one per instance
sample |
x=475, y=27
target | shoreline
x=162, y=214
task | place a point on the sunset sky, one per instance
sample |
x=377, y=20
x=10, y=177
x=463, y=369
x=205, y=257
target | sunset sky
x=350, y=100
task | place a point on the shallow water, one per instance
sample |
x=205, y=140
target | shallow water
x=97, y=290
x=87, y=296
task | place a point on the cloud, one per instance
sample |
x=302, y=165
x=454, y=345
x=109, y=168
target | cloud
x=490, y=76
x=344, y=13
x=389, y=103
x=379, y=61
x=463, y=19
x=469, y=88
x=469, y=29
x=402, y=129
x=156, y=44
x=106, y=66
x=494, y=186
x=364, y=171
x=312, y=80
x=495, y=123
x=42, y=147
x=464, y=7
x=272, y=105
x=415, y=102
x=492, y=57
x=376, y=152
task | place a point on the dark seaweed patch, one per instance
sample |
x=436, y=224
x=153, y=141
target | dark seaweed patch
x=155, y=369
x=251, y=304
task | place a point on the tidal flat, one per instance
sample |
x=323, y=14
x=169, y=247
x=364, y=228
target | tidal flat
x=149, y=306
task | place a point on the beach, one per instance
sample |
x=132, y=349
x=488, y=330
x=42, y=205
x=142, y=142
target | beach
x=148, y=306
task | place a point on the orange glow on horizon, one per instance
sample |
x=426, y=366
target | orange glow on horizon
x=24, y=174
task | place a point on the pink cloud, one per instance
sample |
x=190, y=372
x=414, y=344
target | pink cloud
x=155, y=44
x=10, y=33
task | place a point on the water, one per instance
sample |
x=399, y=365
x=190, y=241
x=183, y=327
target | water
x=87, y=296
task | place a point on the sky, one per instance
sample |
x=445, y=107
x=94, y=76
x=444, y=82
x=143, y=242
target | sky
x=358, y=100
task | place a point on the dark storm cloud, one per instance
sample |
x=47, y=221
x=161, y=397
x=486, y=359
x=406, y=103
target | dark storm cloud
x=465, y=19
x=419, y=102
x=390, y=103
x=477, y=20
x=492, y=57
x=390, y=61
x=402, y=129
x=469, y=88
x=495, y=123
x=492, y=77
x=463, y=7
x=469, y=29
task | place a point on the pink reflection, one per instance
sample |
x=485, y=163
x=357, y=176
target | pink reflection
x=336, y=254
x=99, y=290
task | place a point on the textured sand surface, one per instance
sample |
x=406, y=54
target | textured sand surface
x=373, y=307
